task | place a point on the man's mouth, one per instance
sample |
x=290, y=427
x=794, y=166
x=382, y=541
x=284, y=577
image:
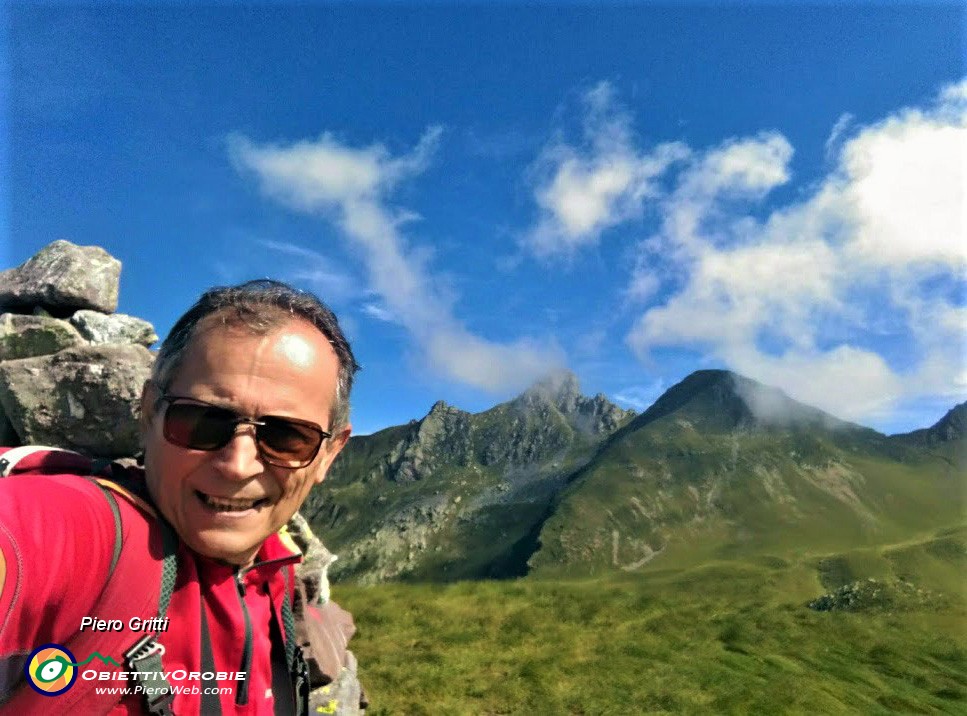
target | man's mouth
x=229, y=504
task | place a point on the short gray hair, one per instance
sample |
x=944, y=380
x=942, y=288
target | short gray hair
x=259, y=306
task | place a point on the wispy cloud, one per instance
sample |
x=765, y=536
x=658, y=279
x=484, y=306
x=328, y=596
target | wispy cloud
x=585, y=189
x=837, y=133
x=378, y=312
x=860, y=252
x=351, y=187
x=330, y=281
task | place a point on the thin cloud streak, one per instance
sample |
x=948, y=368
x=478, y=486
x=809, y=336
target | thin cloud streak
x=351, y=188
x=331, y=282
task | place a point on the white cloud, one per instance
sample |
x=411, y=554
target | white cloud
x=378, y=312
x=475, y=361
x=851, y=383
x=350, y=187
x=582, y=191
x=906, y=182
x=858, y=253
x=740, y=166
x=325, y=174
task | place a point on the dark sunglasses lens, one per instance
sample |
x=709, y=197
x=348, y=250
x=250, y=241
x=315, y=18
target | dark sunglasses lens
x=199, y=427
x=287, y=442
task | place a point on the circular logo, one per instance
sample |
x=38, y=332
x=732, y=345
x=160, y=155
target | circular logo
x=50, y=669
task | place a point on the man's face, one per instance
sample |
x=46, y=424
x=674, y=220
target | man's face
x=290, y=372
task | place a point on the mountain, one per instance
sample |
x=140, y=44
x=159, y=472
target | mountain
x=458, y=495
x=554, y=481
x=721, y=466
x=722, y=400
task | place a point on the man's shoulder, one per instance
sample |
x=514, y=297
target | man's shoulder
x=53, y=481
x=61, y=537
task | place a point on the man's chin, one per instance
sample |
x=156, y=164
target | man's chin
x=226, y=548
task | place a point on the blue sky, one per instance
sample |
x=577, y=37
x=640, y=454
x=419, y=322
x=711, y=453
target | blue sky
x=484, y=193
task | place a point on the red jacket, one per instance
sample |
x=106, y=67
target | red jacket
x=57, y=538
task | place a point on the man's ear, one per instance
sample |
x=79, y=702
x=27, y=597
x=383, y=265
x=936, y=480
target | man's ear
x=149, y=402
x=333, y=447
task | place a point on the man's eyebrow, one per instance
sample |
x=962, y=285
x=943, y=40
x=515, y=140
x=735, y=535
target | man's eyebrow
x=225, y=404
x=214, y=401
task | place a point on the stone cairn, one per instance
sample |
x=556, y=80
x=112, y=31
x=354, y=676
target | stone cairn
x=71, y=370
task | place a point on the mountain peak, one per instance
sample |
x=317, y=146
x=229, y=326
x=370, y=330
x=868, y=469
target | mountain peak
x=721, y=399
x=439, y=406
x=558, y=388
x=561, y=392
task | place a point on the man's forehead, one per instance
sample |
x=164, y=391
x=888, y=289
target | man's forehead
x=292, y=339
x=296, y=349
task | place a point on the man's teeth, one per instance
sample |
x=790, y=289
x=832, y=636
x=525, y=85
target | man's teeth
x=229, y=505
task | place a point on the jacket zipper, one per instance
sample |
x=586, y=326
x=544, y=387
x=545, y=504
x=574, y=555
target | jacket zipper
x=241, y=697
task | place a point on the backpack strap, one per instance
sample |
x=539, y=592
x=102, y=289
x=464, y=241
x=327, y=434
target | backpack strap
x=295, y=660
x=145, y=656
x=116, y=514
x=211, y=704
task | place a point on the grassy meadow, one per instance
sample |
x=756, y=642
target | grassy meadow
x=725, y=637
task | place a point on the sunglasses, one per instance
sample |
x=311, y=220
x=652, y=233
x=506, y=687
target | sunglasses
x=283, y=442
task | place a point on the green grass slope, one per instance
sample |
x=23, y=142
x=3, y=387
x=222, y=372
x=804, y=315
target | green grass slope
x=726, y=637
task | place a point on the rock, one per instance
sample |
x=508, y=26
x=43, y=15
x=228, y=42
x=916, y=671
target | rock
x=599, y=416
x=83, y=398
x=876, y=595
x=8, y=436
x=29, y=336
x=61, y=278
x=313, y=571
x=99, y=328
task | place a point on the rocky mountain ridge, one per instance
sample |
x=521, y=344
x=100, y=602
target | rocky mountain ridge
x=454, y=478
x=553, y=480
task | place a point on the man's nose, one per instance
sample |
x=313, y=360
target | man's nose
x=240, y=459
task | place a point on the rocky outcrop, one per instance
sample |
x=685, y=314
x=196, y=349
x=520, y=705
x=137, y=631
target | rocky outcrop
x=535, y=426
x=99, y=328
x=457, y=495
x=29, y=336
x=71, y=373
x=442, y=437
x=8, y=436
x=874, y=595
x=61, y=278
x=84, y=398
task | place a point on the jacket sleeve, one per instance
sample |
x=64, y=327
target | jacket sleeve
x=56, y=542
